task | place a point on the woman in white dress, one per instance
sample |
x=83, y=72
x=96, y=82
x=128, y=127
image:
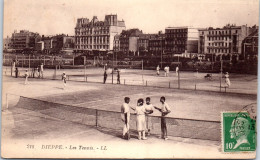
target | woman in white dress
x=140, y=119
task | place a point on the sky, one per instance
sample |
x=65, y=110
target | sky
x=50, y=17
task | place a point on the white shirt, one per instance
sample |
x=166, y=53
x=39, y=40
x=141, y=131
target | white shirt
x=226, y=76
x=41, y=67
x=165, y=107
x=125, y=109
x=26, y=74
x=149, y=107
x=64, y=76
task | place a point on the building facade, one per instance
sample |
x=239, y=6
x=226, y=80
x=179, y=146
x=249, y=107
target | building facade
x=143, y=43
x=39, y=46
x=226, y=40
x=129, y=41
x=116, y=44
x=250, y=45
x=68, y=42
x=156, y=44
x=24, y=40
x=7, y=43
x=47, y=44
x=94, y=35
x=180, y=40
x=57, y=43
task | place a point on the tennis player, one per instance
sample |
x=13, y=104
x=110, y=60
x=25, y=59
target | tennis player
x=105, y=76
x=165, y=109
x=125, y=116
x=158, y=70
x=41, y=70
x=149, y=110
x=167, y=71
x=63, y=77
x=227, y=80
x=118, y=76
x=26, y=77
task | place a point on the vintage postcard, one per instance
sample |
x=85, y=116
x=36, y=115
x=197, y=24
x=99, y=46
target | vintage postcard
x=130, y=79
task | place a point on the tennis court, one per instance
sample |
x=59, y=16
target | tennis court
x=240, y=83
x=97, y=104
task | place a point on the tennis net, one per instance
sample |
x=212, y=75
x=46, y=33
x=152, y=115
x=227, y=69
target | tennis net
x=177, y=127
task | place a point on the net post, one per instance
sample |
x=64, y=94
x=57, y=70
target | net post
x=147, y=123
x=96, y=118
x=124, y=81
x=146, y=83
x=6, y=100
x=11, y=69
x=195, y=87
x=169, y=84
x=112, y=75
x=219, y=84
x=29, y=61
x=84, y=71
x=225, y=89
x=178, y=79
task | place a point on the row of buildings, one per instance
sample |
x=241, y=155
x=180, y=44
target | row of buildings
x=26, y=41
x=93, y=36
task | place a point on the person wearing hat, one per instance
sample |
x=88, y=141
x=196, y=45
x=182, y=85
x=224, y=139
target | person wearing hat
x=64, y=79
x=227, y=81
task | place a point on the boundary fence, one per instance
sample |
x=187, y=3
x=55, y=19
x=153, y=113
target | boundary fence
x=183, y=81
x=177, y=127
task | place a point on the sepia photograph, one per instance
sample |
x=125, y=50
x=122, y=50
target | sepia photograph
x=129, y=79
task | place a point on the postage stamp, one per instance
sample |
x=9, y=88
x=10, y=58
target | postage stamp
x=238, y=132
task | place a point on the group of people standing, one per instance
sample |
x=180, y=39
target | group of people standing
x=166, y=71
x=142, y=110
x=39, y=69
x=105, y=74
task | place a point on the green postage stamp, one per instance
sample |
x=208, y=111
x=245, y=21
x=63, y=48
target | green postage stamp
x=238, y=132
